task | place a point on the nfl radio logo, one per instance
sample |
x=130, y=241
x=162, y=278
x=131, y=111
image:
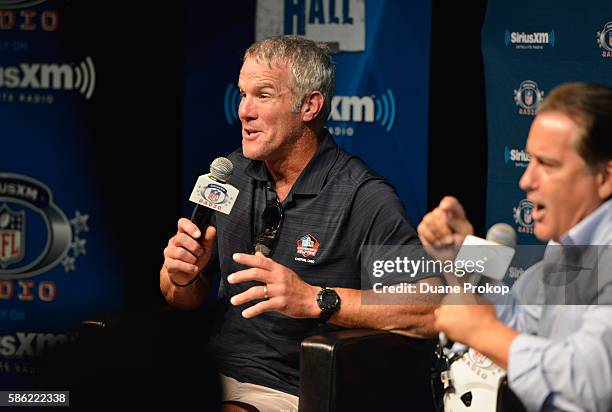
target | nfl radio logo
x=523, y=216
x=12, y=237
x=307, y=245
x=527, y=97
x=604, y=40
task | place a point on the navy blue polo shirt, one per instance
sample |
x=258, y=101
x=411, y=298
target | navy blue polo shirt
x=336, y=206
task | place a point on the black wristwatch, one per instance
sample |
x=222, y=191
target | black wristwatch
x=329, y=302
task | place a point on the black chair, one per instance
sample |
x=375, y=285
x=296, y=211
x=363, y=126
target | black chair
x=364, y=369
x=138, y=360
x=361, y=369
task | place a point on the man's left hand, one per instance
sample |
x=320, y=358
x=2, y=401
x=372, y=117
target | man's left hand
x=286, y=292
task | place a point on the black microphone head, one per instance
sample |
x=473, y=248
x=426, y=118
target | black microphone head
x=220, y=169
x=503, y=234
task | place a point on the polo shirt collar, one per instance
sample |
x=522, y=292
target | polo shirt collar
x=313, y=177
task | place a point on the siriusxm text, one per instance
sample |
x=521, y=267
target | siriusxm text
x=530, y=38
x=352, y=108
x=37, y=76
x=27, y=344
x=517, y=155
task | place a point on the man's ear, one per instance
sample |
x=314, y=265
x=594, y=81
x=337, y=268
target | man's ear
x=605, y=186
x=313, y=106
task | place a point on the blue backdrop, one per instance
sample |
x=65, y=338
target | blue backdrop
x=529, y=48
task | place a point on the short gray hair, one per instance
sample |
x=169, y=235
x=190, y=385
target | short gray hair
x=310, y=66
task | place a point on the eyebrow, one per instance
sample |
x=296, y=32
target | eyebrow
x=545, y=159
x=265, y=83
x=262, y=85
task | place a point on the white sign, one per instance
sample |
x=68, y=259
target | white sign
x=214, y=195
x=340, y=23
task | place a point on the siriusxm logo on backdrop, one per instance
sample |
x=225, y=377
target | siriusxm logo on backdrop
x=523, y=216
x=520, y=157
x=18, y=4
x=515, y=272
x=80, y=77
x=231, y=101
x=527, y=97
x=340, y=23
x=347, y=109
x=31, y=345
x=534, y=40
x=604, y=40
x=365, y=109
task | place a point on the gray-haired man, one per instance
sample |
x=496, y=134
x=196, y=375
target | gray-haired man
x=309, y=206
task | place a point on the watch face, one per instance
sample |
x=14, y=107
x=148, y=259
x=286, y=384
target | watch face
x=329, y=300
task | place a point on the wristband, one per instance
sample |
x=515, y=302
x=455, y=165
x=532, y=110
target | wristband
x=178, y=285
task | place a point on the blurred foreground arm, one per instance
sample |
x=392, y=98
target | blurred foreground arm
x=446, y=225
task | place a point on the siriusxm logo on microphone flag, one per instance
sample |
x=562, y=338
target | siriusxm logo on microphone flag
x=80, y=77
x=534, y=40
x=353, y=109
x=340, y=23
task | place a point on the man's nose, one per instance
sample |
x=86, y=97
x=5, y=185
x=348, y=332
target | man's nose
x=246, y=109
x=528, y=179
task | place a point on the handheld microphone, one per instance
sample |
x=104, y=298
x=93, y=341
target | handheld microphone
x=503, y=234
x=497, y=249
x=212, y=193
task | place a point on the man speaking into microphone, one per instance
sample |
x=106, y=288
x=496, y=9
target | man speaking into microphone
x=556, y=347
x=289, y=251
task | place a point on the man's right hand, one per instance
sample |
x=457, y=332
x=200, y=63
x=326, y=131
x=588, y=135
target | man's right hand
x=187, y=253
x=445, y=226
